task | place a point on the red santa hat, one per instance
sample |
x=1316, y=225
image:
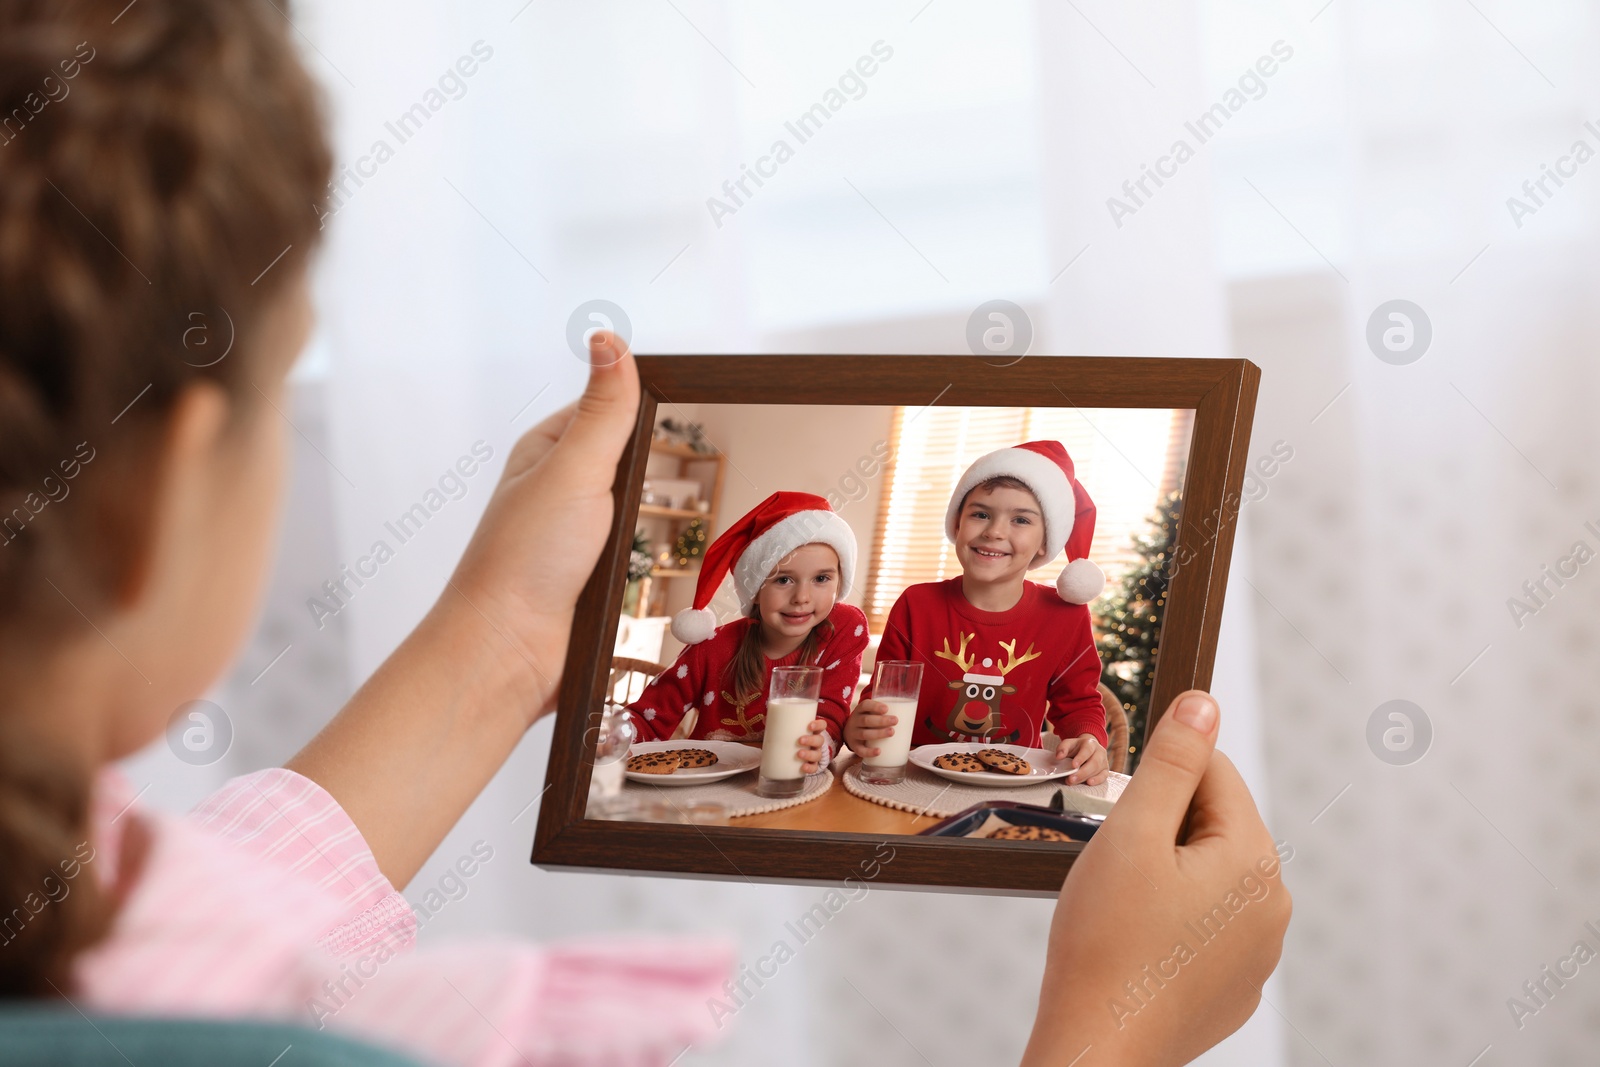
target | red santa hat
x=753, y=546
x=1046, y=469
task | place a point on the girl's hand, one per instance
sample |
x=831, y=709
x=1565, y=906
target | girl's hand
x=415, y=746
x=813, y=746
x=1185, y=840
x=1089, y=759
x=870, y=722
x=541, y=534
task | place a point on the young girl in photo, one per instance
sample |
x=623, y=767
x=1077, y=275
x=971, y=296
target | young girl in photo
x=792, y=560
x=184, y=176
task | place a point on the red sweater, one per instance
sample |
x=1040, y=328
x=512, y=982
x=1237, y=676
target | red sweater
x=700, y=678
x=974, y=689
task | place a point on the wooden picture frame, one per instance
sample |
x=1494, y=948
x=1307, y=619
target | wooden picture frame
x=1222, y=393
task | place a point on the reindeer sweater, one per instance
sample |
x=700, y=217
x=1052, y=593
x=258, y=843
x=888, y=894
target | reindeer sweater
x=699, y=679
x=997, y=676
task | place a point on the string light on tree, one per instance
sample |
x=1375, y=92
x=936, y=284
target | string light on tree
x=1128, y=621
x=690, y=543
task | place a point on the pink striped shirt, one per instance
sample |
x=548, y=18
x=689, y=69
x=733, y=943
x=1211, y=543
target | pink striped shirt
x=266, y=902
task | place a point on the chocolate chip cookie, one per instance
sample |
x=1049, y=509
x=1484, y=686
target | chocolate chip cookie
x=999, y=760
x=692, y=758
x=1027, y=833
x=654, y=763
x=964, y=762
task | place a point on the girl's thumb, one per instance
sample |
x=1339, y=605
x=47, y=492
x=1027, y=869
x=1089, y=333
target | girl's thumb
x=1174, y=760
x=609, y=407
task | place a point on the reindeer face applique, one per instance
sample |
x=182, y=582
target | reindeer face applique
x=976, y=714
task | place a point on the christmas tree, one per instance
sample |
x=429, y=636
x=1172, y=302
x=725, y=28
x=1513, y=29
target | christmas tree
x=639, y=561
x=691, y=542
x=1129, y=622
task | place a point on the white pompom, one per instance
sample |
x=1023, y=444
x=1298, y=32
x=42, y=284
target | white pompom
x=1079, y=582
x=693, y=625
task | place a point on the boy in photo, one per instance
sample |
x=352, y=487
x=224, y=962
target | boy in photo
x=1002, y=655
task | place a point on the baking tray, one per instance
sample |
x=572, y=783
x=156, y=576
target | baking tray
x=1077, y=825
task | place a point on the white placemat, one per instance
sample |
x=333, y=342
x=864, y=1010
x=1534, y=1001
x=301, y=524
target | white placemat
x=928, y=794
x=737, y=794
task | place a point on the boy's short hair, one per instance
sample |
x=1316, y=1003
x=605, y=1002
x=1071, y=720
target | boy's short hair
x=1004, y=481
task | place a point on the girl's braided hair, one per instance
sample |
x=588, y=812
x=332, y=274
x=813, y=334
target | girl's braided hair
x=156, y=159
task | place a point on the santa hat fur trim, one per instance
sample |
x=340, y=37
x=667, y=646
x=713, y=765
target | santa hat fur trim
x=802, y=528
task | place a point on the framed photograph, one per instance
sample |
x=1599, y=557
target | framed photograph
x=647, y=777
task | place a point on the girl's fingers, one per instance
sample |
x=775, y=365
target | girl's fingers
x=1221, y=803
x=533, y=445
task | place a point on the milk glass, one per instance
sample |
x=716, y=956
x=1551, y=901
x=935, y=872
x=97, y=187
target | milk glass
x=895, y=684
x=791, y=705
x=615, y=737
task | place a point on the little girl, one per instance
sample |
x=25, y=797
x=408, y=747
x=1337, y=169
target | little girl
x=792, y=559
x=181, y=177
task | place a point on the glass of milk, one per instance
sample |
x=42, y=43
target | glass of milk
x=614, y=737
x=895, y=684
x=791, y=705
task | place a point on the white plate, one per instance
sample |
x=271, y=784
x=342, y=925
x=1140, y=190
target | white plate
x=732, y=758
x=1042, y=760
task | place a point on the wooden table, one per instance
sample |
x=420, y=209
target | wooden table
x=840, y=811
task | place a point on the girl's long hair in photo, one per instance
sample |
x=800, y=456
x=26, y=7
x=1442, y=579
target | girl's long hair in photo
x=748, y=668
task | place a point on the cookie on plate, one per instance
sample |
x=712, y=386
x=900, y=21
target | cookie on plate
x=654, y=763
x=964, y=762
x=694, y=758
x=1004, y=762
x=1028, y=833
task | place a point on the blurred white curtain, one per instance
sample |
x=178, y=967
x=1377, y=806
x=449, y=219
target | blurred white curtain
x=1383, y=165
